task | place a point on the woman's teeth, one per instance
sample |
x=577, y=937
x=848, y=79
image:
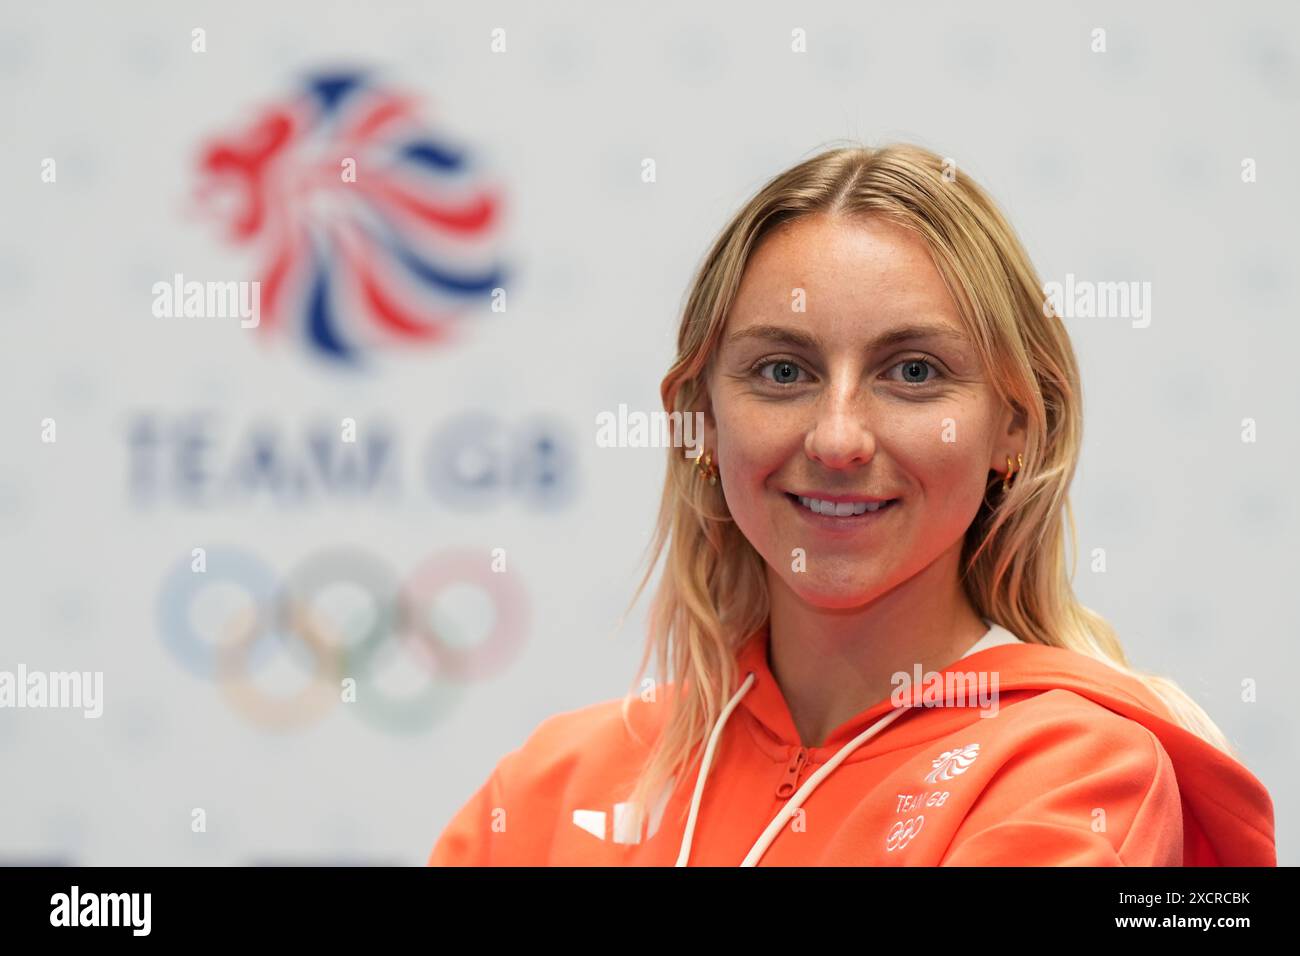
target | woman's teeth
x=842, y=509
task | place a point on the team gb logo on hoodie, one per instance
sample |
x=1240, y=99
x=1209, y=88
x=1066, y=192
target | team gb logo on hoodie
x=951, y=763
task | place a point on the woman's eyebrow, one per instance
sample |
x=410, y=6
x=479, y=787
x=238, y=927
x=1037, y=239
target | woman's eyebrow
x=794, y=336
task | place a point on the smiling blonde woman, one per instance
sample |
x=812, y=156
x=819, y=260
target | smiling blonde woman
x=868, y=645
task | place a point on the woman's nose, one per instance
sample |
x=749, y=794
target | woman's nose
x=841, y=436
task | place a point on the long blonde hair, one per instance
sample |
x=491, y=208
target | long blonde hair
x=713, y=595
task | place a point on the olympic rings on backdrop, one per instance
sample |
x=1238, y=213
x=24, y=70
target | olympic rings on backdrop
x=491, y=655
x=183, y=585
x=311, y=703
x=289, y=618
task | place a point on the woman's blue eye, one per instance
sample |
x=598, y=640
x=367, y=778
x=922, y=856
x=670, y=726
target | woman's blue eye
x=911, y=366
x=786, y=372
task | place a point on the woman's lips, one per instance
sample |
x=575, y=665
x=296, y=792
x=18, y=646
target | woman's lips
x=851, y=522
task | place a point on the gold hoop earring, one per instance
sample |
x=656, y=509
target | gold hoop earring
x=1012, y=471
x=706, y=469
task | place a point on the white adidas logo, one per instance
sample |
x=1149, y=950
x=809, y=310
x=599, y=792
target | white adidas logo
x=627, y=819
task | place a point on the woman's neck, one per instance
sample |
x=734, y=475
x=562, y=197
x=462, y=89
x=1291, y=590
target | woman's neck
x=832, y=664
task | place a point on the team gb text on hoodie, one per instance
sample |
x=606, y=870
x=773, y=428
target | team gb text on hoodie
x=1077, y=765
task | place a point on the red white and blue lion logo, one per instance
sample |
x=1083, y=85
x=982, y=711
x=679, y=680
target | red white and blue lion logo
x=372, y=230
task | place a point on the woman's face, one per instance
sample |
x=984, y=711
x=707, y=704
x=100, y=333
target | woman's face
x=845, y=375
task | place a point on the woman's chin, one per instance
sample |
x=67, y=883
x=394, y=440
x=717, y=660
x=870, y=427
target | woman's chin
x=831, y=597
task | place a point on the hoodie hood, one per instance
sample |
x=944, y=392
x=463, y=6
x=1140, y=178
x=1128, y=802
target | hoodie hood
x=1059, y=760
x=1227, y=812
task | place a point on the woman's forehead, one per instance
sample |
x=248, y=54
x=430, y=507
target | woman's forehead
x=843, y=282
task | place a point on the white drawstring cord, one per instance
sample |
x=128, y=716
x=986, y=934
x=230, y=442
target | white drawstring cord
x=685, y=850
x=1001, y=636
x=779, y=821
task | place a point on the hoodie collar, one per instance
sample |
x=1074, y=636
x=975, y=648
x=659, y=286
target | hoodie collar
x=776, y=732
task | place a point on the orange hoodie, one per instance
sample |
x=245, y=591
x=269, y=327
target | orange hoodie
x=1070, y=762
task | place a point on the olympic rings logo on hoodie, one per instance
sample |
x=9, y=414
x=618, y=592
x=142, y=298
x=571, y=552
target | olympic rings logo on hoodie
x=902, y=832
x=346, y=648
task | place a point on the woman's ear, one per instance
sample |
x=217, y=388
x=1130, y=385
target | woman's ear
x=1018, y=424
x=1013, y=433
x=698, y=427
x=710, y=424
x=703, y=428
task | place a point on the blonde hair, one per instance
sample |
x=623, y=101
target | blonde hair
x=713, y=592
